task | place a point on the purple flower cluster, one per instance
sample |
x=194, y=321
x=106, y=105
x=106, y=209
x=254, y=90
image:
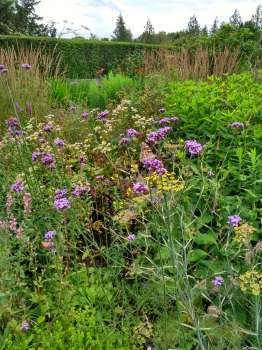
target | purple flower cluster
x=102, y=115
x=82, y=159
x=168, y=120
x=46, y=158
x=48, y=127
x=59, y=142
x=25, y=326
x=132, y=133
x=85, y=115
x=13, y=126
x=50, y=235
x=17, y=187
x=61, y=202
x=139, y=188
x=155, y=165
x=234, y=220
x=193, y=147
x=131, y=237
x=162, y=110
x=158, y=135
x=236, y=125
x=218, y=281
x=26, y=66
x=3, y=69
x=78, y=191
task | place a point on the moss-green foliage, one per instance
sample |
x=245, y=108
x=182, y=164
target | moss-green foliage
x=80, y=58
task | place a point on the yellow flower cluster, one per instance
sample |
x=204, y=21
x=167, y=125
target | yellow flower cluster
x=251, y=282
x=243, y=233
x=165, y=182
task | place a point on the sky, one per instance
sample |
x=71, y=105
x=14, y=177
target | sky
x=167, y=15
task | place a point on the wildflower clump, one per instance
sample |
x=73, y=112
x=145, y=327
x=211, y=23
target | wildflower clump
x=251, y=282
x=166, y=182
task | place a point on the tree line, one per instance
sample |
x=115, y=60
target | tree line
x=19, y=17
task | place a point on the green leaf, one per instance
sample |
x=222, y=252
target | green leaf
x=196, y=255
x=206, y=238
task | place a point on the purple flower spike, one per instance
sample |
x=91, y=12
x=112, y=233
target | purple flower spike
x=25, y=326
x=131, y=237
x=26, y=66
x=132, y=133
x=218, y=281
x=234, y=220
x=140, y=188
x=17, y=187
x=62, y=203
x=103, y=115
x=50, y=235
x=236, y=125
x=193, y=147
x=59, y=142
x=85, y=115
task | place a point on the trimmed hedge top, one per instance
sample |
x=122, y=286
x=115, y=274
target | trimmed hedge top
x=80, y=58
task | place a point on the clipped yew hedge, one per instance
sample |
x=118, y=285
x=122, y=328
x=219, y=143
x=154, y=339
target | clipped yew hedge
x=80, y=57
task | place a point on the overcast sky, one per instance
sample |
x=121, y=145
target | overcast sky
x=167, y=15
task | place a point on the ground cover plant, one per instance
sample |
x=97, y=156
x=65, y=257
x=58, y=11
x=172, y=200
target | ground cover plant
x=137, y=226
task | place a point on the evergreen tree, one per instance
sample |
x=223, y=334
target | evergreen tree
x=7, y=14
x=121, y=33
x=214, y=27
x=26, y=18
x=236, y=20
x=204, y=31
x=257, y=18
x=148, y=36
x=193, y=26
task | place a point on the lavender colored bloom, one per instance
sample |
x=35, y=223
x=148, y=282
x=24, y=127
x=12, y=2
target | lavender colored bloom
x=3, y=70
x=26, y=66
x=131, y=237
x=193, y=147
x=17, y=187
x=132, y=133
x=158, y=135
x=82, y=159
x=210, y=173
x=47, y=127
x=50, y=235
x=18, y=108
x=218, y=281
x=258, y=245
x=100, y=177
x=62, y=203
x=168, y=120
x=2, y=66
x=124, y=141
x=140, y=188
x=85, y=115
x=47, y=158
x=13, y=123
x=78, y=191
x=60, y=193
x=59, y=142
x=155, y=165
x=25, y=326
x=162, y=110
x=36, y=155
x=234, y=220
x=103, y=115
x=236, y=125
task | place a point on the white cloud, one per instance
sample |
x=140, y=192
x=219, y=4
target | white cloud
x=167, y=15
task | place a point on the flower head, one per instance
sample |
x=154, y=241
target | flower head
x=193, y=147
x=59, y=142
x=2, y=66
x=124, y=141
x=48, y=127
x=168, y=120
x=48, y=158
x=26, y=66
x=36, y=155
x=132, y=133
x=85, y=115
x=62, y=203
x=17, y=187
x=25, y=326
x=162, y=110
x=236, y=125
x=158, y=135
x=13, y=123
x=131, y=237
x=234, y=220
x=50, y=235
x=78, y=191
x=218, y=281
x=139, y=188
x=60, y=193
x=103, y=115
x=155, y=165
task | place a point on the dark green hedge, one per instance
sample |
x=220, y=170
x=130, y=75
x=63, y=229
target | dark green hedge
x=80, y=58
